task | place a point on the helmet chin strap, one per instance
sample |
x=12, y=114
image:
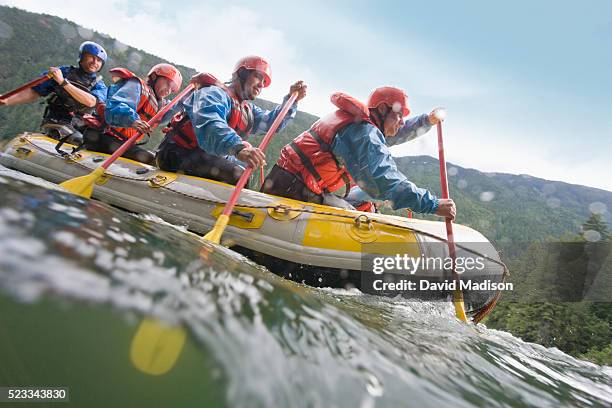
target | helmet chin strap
x=378, y=120
x=152, y=83
x=241, y=93
x=236, y=87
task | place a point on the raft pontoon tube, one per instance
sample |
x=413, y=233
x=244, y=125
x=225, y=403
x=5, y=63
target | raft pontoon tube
x=310, y=243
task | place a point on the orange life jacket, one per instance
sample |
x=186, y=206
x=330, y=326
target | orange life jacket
x=240, y=119
x=366, y=206
x=146, y=109
x=309, y=155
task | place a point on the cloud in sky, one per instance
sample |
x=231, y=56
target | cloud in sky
x=203, y=37
x=212, y=38
x=499, y=152
x=494, y=123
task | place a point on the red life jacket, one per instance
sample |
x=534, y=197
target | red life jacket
x=146, y=109
x=366, y=206
x=309, y=156
x=240, y=118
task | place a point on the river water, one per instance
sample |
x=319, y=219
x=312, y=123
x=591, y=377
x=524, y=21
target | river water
x=127, y=310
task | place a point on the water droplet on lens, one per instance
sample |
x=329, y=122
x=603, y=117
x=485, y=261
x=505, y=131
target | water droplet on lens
x=68, y=31
x=119, y=47
x=598, y=207
x=591, y=235
x=85, y=33
x=6, y=31
x=553, y=202
x=134, y=61
x=549, y=189
x=487, y=196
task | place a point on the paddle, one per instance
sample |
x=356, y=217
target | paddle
x=457, y=294
x=156, y=346
x=215, y=234
x=261, y=176
x=83, y=186
x=30, y=84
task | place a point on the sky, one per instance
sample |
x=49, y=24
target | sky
x=526, y=85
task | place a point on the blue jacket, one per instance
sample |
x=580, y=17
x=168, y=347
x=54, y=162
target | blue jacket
x=122, y=101
x=44, y=89
x=362, y=148
x=412, y=128
x=210, y=107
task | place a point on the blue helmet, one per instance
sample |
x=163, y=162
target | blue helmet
x=92, y=48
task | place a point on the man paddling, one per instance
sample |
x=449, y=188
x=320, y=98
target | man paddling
x=209, y=138
x=350, y=145
x=131, y=102
x=410, y=130
x=72, y=92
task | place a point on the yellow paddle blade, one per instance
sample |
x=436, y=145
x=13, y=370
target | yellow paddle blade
x=83, y=186
x=215, y=234
x=459, y=306
x=156, y=347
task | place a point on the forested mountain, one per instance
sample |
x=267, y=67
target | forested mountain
x=511, y=209
x=30, y=43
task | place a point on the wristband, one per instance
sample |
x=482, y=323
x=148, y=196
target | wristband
x=238, y=148
x=64, y=83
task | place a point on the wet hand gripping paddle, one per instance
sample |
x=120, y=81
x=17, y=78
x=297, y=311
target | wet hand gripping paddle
x=457, y=294
x=83, y=186
x=215, y=234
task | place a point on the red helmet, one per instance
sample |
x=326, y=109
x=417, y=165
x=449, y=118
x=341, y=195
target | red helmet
x=258, y=64
x=395, y=98
x=170, y=72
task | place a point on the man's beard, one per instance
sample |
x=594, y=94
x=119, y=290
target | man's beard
x=248, y=95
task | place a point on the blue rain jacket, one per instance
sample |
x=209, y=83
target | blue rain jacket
x=209, y=107
x=122, y=102
x=362, y=148
x=412, y=128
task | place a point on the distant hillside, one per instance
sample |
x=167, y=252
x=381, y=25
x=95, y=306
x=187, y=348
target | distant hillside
x=508, y=209
x=30, y=43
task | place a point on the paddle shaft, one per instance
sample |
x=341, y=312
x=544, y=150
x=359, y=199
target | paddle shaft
x=261, y=176
x=23, y=87
x=264, y=143
x=153, y=122
x=445, y=194
x=458, y=294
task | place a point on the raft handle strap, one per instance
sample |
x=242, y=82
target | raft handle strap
x=363, y=221
x=282, y=209
x=246, y=215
